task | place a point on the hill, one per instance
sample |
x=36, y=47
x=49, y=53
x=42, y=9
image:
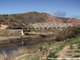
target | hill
x=22, y=20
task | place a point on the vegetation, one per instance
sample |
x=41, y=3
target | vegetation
x=51, y=56
x=52, y=48
x=41, y=50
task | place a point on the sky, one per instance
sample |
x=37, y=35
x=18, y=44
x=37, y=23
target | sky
x=66, y=8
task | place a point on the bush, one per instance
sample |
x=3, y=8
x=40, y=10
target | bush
x=68, y=32
x=51, y=56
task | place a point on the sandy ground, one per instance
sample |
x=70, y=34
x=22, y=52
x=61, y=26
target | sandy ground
x=63, y=52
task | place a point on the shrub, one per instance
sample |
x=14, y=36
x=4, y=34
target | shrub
x=68, y=32
x=51, y=56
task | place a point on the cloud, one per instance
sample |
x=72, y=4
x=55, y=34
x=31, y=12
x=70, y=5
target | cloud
x=60, y=14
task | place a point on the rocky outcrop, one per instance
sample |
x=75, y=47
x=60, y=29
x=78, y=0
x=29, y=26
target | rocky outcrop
x=2, y=26
x=74, y=22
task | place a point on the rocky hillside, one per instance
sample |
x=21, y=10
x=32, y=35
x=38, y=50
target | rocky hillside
x=74, y=22
x=22, y=20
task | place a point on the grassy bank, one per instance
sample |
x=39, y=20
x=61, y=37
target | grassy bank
x=47, y=50
x=40, y=51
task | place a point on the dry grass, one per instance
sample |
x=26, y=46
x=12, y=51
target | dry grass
x=7, y=38
x=40, y=50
